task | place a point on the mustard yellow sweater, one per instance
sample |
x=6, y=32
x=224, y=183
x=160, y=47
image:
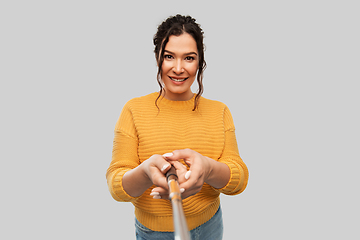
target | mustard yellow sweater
x=144, y=130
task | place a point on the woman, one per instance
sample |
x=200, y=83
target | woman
x=176, y=127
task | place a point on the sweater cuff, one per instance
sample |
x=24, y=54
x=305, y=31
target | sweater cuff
x=236, y=182
x=116, y=188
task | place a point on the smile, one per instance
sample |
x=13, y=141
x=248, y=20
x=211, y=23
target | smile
x=178, y=80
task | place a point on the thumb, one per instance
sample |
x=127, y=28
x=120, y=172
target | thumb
x=159, y=162
x=165, y=167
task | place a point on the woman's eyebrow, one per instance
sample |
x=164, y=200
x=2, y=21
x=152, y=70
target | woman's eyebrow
x=189, y=53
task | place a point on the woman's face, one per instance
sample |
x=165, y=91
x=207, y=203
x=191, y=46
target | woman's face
x=179, y=67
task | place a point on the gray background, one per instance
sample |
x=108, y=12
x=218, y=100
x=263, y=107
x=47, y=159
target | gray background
x=288, y=70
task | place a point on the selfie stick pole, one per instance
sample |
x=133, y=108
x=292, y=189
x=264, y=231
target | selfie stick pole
x=180, y=225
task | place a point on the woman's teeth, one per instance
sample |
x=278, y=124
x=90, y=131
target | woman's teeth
x=178, y=80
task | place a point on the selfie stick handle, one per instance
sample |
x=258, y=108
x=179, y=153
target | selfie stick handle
x=180, y=225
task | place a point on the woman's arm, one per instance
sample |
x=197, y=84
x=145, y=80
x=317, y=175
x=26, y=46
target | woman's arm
x=228, y=174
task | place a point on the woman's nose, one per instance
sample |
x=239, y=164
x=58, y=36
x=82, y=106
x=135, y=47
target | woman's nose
x=178, y=68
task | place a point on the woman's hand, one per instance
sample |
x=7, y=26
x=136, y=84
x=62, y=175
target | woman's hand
x=150, y=172
x=202, y=170
x=192, y=181
x=155, y=168
x=163, y=193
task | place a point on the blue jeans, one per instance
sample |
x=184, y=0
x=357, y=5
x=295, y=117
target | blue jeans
x=211, y=230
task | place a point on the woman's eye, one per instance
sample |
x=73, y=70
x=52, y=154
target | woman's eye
x=167, y=56
x=189, y=58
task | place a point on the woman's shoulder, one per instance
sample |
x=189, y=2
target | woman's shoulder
x=206, y=102
x=142, y=100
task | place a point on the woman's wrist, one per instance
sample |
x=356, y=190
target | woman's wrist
x=136, y=181
x=219, y=174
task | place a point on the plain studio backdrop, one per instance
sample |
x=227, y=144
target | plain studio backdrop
x=288, y=70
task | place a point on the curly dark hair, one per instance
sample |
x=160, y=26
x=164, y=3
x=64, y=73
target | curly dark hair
x=177, y=25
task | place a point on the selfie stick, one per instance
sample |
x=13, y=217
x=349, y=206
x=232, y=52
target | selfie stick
x=180, y=225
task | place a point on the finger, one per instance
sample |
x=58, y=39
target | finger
x=159, y=180
x=187, y=175
x=165, y=167
x=160, y=162
x=178, y=166
x=179, y=154
x=160, y=190
x=158, y=168
x=181, y=170
x=159, y=193
x=194, y=181
x=187, y=185
x=167, y=155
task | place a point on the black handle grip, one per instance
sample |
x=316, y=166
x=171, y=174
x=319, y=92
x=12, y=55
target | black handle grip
x=171, y=172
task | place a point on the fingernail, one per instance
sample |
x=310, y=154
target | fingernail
x=168, y=154
x=155, y=194
x=182, y=190
x=165, y=167
x=187, y=175
x=157, y=197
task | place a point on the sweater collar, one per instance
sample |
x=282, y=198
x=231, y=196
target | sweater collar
x=175, y=104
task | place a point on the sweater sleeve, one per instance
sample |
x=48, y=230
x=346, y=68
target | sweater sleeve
x=124, y=155
x=230, y=156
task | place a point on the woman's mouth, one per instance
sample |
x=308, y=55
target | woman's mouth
x=178, y=79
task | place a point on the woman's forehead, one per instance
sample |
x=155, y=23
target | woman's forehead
x=183, y=43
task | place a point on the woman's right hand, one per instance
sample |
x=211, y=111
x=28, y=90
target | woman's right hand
x=150, y=172
x=155, y=168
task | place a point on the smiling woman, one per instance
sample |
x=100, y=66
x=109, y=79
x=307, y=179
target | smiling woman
x=171, y=29
x=179, y=67
x=176, y=127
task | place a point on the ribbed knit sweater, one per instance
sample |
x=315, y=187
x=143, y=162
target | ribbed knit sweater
x=143, y=129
